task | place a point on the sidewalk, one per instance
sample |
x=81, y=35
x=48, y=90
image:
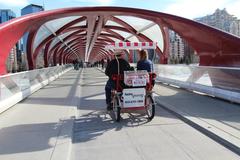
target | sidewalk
x=216, y=118
x=40, y=127
x=98, y=137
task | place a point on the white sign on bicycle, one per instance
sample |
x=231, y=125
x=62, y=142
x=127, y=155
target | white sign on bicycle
x=136, y=78
x=134, y=97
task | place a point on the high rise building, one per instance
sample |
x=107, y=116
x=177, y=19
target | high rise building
x=12, y=62
x=180, y=51
x=32, y=8
x=6, y=15
x=235, y=28
x=176, y=48
x=220, y=19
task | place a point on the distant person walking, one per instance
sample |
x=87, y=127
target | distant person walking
x=102, y=63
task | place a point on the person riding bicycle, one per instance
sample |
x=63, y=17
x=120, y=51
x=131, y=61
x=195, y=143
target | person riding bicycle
x=112, y=68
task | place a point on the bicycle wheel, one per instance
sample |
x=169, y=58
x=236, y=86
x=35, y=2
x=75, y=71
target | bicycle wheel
x=150, y=107
x=116, y=109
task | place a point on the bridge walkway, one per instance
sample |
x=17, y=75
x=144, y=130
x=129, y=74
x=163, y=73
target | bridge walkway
x=67, y=120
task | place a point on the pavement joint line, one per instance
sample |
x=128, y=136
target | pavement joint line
x=65, y=148
x=230, y=125
x=232, y=147
x=55, y=144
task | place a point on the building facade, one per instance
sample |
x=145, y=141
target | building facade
x=32, y=8
x=6, y=15
x=235, y=28
x=180, y=52
x=176, y=51
x=220, y=19
x=12, y=62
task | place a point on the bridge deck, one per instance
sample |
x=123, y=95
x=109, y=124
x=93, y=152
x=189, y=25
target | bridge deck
x=41, y=125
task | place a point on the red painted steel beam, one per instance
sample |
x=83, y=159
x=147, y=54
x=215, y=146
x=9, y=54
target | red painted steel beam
x=141, y=37
x=66, y=39
x=104, y=55
x=29, y=47
x=97, y=30
x=91, y=22
x=166, y=45
x=106, y=39
x=58, y=32
x=69, y=37
x=213, y=46
x=45, y=56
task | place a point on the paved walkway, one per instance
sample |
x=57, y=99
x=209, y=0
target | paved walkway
x=217, y=118
x=41, y=126
x=97, y=136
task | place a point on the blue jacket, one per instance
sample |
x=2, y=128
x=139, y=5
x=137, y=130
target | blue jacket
x=145, y=65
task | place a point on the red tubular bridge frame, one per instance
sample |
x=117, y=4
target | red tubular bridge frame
x=214, y=47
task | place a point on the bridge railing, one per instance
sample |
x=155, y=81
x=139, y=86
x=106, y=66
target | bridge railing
x=16, y=87
x=222, y=82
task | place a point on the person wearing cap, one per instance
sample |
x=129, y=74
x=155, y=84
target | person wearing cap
x=112, y=68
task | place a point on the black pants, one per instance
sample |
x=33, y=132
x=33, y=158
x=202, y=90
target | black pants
x=109, y=86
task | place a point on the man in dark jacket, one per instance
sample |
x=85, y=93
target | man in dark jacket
x=112, y=68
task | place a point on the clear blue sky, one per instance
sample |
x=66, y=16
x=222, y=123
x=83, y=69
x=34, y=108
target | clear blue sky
x=185, y=8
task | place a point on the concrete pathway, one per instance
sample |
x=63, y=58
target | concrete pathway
x=216, y=118
x=97, y=136
x=40, y=127
x=67, y=120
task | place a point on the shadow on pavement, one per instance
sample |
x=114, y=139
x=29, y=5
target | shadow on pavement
x=30, y=137
x=89, y=126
